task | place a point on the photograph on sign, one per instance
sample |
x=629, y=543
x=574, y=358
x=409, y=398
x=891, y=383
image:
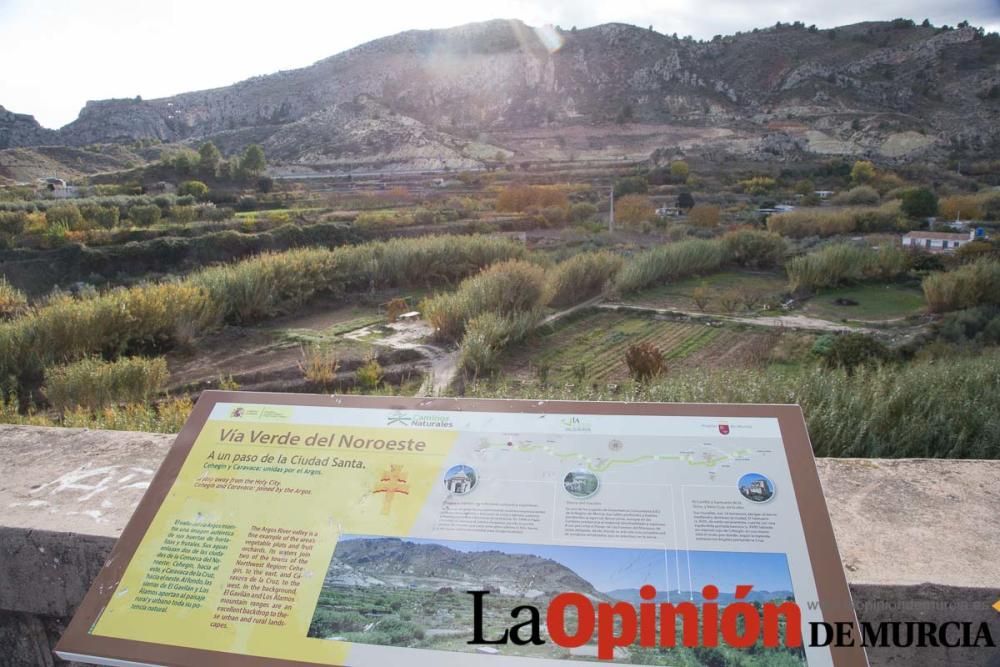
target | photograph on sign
x=365, y=531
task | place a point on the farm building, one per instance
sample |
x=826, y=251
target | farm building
x=55, y=188
x=938, y=241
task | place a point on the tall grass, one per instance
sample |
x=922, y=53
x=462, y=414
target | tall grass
x=94, y=383
x=582, y=276
x=970, y=285
x=159, y=315
x=754, y=248
x=140, y=318
x=831, y=222
x=926, y=409
x=669, y=262
x=165, y=417
x=505, y=288
x=488, y=334
x=843, y=263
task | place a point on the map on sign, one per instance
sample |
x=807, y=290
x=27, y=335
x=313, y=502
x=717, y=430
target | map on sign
x=360, y=531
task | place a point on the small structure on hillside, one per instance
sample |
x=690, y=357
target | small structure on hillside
x=941, y=241
x=55, y=188
x=823, y=194
x=777, y=208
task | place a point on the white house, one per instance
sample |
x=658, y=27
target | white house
x=938, y=241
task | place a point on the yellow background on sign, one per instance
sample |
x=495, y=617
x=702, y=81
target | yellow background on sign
x=342, y=500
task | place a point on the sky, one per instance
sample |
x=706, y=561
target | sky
x=57, y=54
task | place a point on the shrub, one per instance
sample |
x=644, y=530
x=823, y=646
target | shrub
x=969, y=285
x=519, y=198
x=504, y=288
x=851, y=350
x=370, y=374
x=64, y=215
x=582, y=212
x=102, y=216
x=184, y=214
x=755, y=249
x=319, y=364
x=862, y=195
x=13, y=222
x=704, y=215
x=582, y=276
x=663, y=264
x=13, y=303
x=554, y=215
x=93, y=383
x=395, y=308
x=634, y=209
x=645, y=361
x=145, y=216
x=195, y=189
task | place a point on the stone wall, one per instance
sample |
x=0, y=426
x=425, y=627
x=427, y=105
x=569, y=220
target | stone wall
x=919, y=539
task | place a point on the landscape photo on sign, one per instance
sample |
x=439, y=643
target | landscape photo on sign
x=413, y=592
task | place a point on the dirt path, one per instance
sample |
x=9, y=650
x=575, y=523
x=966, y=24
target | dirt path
x=411, y=335
x=803, y=322
x=442, y=361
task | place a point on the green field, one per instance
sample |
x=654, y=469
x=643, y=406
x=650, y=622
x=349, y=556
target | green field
x=765, y=287
x=598, y=340
x=875, y=302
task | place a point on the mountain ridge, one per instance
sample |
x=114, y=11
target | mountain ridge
x=451, y=97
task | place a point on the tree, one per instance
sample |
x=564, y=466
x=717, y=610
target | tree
x=253, y=162
x=758, y=185
x=804, y=187
x=196, y=189
x=863, y=171
x=183, y=161
x=679, y=170
x=631, y=185
x=701, y=297
x=685, y=201
x=634, y=209
x=919, y=203
x=209, y=158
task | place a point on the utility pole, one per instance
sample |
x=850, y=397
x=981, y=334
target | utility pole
x=611, y=213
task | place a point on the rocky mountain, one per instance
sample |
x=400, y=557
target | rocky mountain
x=392, y=561
x=459, y=96
x=18, y=129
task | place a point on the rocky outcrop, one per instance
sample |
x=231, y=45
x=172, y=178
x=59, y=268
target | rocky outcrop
x=18, y=129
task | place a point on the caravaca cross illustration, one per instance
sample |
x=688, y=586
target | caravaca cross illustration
x=391, y=482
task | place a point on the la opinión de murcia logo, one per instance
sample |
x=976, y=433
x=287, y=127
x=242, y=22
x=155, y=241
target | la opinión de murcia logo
x=740, y=624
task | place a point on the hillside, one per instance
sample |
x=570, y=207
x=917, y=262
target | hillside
x=375, y=561
x=455, y=97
